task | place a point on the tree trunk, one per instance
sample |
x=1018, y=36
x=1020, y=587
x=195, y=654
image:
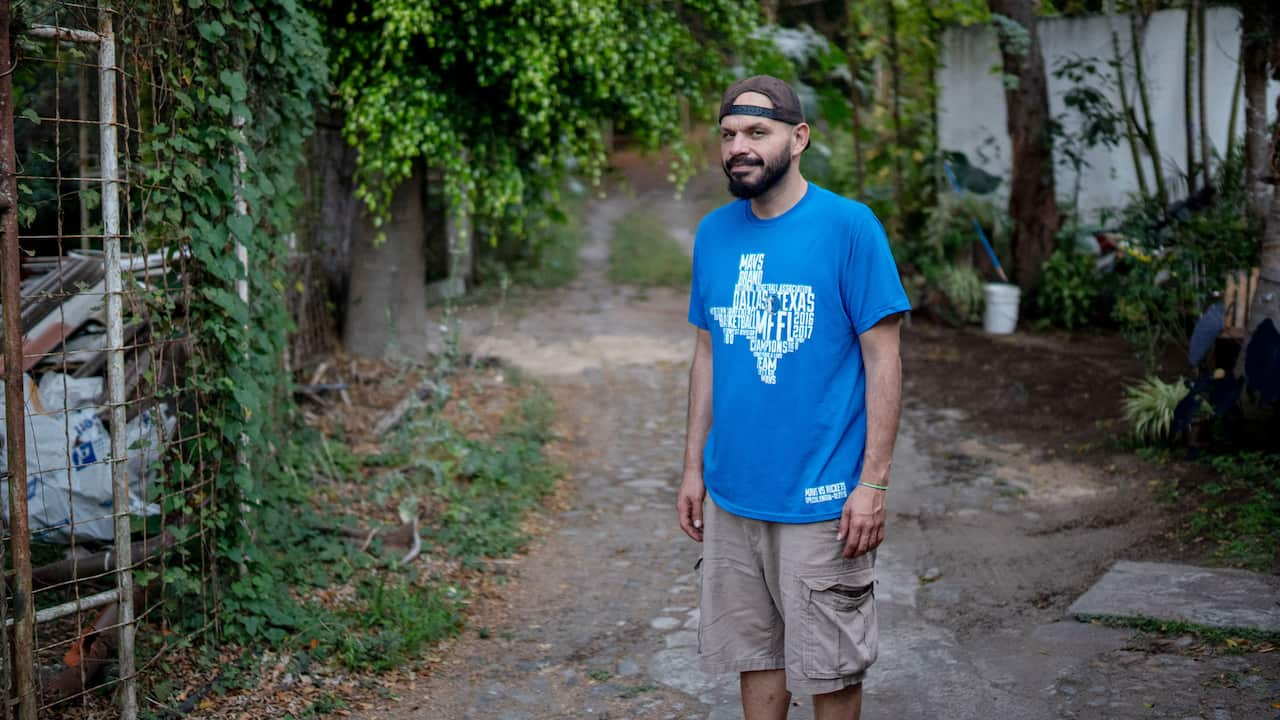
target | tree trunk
x=1202, y=40
x=1266, y=298
x=331, y=208
x=1188, y=94
x=1254, y=47
x=387, y=306
x=1032, y=204
x=1235, y=111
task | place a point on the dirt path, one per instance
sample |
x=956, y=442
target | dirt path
x=989, y=541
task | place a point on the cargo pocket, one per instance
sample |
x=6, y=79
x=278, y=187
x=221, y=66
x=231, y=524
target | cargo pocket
x=840, y=633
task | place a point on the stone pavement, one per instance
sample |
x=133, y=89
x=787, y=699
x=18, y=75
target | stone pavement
x=601, y=621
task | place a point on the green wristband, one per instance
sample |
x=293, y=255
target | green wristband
x=882, y=488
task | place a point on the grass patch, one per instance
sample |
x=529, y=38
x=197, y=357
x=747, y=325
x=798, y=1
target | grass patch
x=1237, y=509
x=1227, y=640
x=310, y=595
x=637, y=690
x=643, y=252
x=479, y=490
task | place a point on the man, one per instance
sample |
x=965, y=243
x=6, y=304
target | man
x=793, y=408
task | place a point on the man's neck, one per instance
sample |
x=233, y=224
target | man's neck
x=781, y=197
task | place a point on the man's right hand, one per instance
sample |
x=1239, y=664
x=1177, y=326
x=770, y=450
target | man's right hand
x=689, y=504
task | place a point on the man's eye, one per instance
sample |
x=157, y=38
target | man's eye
x=757, y=133
x=726, y=135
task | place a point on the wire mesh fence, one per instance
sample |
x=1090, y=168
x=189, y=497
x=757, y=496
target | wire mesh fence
x=107, y=496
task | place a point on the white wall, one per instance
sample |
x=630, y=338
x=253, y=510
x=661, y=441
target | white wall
x=971, y=107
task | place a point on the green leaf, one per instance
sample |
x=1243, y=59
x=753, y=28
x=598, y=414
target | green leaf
x=235, y=83
x=211, y=31
x=241, y=227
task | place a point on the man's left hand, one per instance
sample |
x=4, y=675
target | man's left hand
x=862, y=521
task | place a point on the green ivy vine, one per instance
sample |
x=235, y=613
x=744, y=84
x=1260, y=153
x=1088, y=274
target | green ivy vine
x=506, y=95
x=229, y=80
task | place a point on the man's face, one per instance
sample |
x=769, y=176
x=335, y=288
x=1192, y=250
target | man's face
x=755, y=152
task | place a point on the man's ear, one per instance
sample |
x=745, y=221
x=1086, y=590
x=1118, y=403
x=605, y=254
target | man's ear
x=800, y=140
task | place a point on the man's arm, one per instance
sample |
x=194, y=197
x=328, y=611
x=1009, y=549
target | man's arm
x=862, y=520
x=692, y=489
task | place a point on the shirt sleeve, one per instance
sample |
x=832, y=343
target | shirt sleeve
x=872, y=287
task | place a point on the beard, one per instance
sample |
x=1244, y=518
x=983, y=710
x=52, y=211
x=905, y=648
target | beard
x=774, y=170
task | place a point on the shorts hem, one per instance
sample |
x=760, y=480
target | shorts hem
x=809, y=686
x=741, y=666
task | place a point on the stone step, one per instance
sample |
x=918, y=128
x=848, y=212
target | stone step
x=1213, y=597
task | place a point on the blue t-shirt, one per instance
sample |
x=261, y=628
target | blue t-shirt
x=785, y=300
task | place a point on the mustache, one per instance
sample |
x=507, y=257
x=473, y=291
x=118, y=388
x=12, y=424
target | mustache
x=747, y=160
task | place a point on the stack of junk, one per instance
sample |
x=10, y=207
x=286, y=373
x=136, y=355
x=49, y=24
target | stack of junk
x=67, y=416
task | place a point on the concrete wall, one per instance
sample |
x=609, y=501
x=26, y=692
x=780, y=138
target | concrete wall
x=971, y=107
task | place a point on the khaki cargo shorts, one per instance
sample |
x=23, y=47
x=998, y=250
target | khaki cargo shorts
x=779, y=596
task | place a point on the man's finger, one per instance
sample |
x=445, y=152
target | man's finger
x=843, y=532
x=851, y=541
x=690, y=511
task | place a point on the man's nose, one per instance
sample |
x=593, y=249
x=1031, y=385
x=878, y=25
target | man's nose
x=739, y=145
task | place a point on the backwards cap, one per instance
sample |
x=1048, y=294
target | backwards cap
x=786, y=104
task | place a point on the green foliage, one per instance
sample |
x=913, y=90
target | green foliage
x=962, y=288
x=545, y=256
x=1014, y=39
x=1068, y=293
x=390, y=621
x=1149, y=407
x=1097, y=121
x=1226, y=640
x=1237, y=511
x=506, y=95
x=940, y=257
x=478, y=490
x=1170, y=265
x=920, y=27
x=949, y=235
x=471, y=494
x=644, y=253
x=1241, y=510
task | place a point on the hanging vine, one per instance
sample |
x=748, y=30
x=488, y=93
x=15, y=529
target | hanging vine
x=505, y=96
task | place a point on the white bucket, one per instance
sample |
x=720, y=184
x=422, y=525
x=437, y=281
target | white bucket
x=1001, y=314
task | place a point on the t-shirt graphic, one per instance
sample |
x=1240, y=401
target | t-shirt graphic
x=774, y=318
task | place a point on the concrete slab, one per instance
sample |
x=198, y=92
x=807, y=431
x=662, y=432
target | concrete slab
x=1204, y=596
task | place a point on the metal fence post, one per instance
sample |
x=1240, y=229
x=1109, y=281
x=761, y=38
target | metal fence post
x=15, y=410
x=115, y=355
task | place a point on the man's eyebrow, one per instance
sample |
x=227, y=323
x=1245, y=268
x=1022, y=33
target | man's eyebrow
x=744, y=128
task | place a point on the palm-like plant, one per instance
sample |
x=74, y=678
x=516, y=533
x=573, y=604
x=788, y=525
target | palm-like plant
x=1149, y=406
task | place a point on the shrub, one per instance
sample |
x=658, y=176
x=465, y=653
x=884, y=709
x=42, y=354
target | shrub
x=644, y=253
x=1068, y=291
x=1149, y=407
x=962, y=288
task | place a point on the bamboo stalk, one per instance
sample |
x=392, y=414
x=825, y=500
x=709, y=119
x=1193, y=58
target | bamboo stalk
x=1140, y=79
x=1130, y=131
